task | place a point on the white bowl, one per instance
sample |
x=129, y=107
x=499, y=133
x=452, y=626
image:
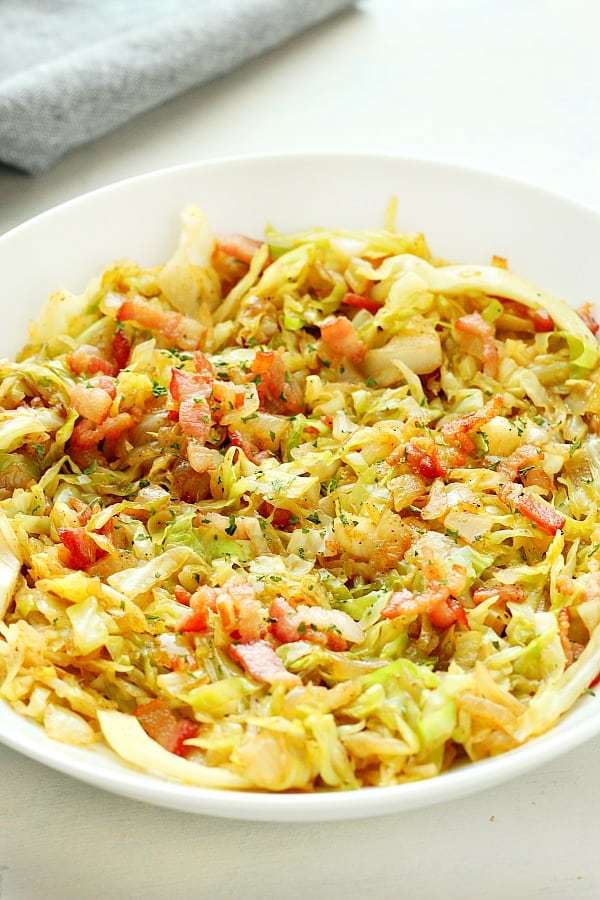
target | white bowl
x=466, y=215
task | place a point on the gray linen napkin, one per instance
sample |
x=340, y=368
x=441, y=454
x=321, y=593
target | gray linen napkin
x=71, y=70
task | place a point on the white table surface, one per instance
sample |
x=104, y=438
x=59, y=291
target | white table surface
x=512, y=87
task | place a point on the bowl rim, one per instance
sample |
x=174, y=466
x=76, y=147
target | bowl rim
x=301, y=156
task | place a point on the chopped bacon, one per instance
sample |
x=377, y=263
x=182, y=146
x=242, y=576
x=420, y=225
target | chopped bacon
x=328, y=627
x=86, y=360
x=427, y=458
x=277, y=391
x=402, y=603
x=182, y=595
x=585, y=313
x=283, y=626
x=114, y=426
x=238, y=439
x=87, y=435
x=121, y=348
x=91, y=403
x=81, y=549
x=280, y=518
x=542, y=321
x=427, y=465
x=532, y=507
x=240, y=612
x=195, y=418
x=438, y=600
x=340, y=337
x=261, y=662
x=202, y=459
x=448, y=611
x=537, y=477
x=442, y=608
x=359, y=301
x=163, y=726
x=184, y=332
x=204, y=368
x=190, y=391
x=106, y=383
x=201, y=602
x=502, y=593
x=184, y=385
x=525, y=455
x=571, y=649
x=84, y=511
x=475, y=325
x=240, y=246
x=458, y=430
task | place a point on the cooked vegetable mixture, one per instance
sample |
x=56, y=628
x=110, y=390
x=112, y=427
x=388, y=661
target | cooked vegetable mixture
x=314, y=513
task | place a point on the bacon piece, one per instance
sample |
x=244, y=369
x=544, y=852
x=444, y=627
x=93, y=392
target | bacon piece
x=84, y=511
x=526, y=455
x=503, y=593
x=542, y=321
x=241, y=614
x=184, y=332
x=277, y=391
x=359, y=301
x=283, y=626
x=427, y=465
x=458, y=430
x=86, y=435
x=86, y=360
x=446, y=612
x=280, y=518
x=121, y=349
x=195, y=418
x=261, y=662
x=532, y=507
x=201, y=602
x=438, y=600
x=202, y=459
x=403, y=603
x=442, y=608
x=106, y=383
x=82, y=550
x=327, y=627
x=114, y=426
x=184, y=385
x=182, y=595
x=163, y=726
x=475, y=325
x=238, y=439
x=92, y=403
x=537, y=477
x=240, y=246
x=340, y=337
x=191, y=390
x=571, y=649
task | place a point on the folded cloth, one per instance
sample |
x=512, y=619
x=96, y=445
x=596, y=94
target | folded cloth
x=71, y=70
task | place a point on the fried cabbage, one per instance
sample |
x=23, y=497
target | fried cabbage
x=317, y=512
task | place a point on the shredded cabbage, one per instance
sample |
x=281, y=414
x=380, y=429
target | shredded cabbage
x=314, y=513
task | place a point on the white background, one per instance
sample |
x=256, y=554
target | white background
x=512, y=87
